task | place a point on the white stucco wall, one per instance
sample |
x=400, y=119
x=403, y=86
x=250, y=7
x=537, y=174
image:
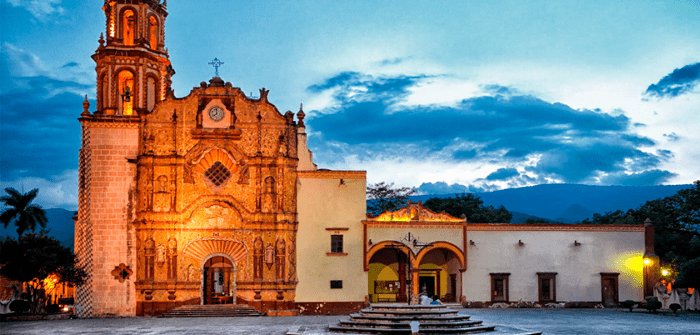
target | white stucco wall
x=578, y=268
x=323, y=202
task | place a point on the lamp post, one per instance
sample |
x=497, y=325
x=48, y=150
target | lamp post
x=411, y=242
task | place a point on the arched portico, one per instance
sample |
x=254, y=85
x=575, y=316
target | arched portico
x=387, y=272
x=218, y=280
x=441, y=266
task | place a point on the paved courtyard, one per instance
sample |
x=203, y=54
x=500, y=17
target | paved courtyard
x=508, y=321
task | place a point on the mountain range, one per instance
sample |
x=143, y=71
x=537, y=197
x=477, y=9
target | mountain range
x=568, y=203
x=565, y=203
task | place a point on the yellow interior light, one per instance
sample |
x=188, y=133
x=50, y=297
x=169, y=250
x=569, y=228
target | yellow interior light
x=647, y=261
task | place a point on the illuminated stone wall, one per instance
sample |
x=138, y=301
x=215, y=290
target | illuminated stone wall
x=111, y=182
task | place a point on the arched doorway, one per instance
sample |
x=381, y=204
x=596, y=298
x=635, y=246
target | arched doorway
x=218, y=280
x=440, y=274
x=387, y=276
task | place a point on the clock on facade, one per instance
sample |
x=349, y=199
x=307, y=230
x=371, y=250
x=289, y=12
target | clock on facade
x=216, y=113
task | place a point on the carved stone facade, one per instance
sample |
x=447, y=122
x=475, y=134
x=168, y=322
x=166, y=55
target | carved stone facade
x=169, y=183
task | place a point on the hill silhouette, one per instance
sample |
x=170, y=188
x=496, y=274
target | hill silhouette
x=569, y=203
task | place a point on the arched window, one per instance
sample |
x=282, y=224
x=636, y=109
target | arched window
x=270, y=185
x=103, y=93
x=126, y=92
x=150, y=93
x=129, y=22
x=153, y=33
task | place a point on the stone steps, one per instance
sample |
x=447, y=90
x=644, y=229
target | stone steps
x=200, y=311
x=407, y=330
x=396, y=319
x=422, y=319
x=406, y=325
x=398, y=313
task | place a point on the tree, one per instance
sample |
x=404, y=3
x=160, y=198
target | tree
x=676, y=222
x=384, y=197
x=470, y=205
x=33, y=257
x=689, y=274
x=20, y=210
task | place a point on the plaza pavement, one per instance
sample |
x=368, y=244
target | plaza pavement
x=508, y=321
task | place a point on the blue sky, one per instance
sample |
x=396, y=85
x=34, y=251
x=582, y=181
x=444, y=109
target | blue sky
x=438, y=95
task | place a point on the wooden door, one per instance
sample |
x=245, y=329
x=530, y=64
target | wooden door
x=609, y=288
x=609, y=291
x=427, y=283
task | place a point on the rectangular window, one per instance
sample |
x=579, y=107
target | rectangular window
x=499, y=286
x=336, y=284
x=337, y=244
x=547, y=286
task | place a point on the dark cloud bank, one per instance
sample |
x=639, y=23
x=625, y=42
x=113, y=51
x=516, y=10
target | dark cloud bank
x=678, y=82
x=502, y=127
x=40, y=134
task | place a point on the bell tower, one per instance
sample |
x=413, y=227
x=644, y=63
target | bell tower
x=133, y=77
x=133, y=69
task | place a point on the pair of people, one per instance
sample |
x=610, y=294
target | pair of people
x=425, y=300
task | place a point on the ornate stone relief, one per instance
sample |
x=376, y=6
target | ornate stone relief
x=269, y=255
x=121, y=272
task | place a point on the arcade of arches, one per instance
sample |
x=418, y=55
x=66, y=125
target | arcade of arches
x=401, y=266
x=436, y=272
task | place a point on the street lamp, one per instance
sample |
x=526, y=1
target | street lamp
x=415, y=246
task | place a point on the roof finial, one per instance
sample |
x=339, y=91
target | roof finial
x=301, y=115
x=86, y=107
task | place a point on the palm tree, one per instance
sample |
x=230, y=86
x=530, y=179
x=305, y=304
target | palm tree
x=18, y=208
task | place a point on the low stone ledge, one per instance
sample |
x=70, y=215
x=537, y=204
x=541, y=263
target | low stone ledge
x=35, y=317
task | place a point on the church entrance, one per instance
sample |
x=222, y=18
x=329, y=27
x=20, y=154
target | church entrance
x=219, y=281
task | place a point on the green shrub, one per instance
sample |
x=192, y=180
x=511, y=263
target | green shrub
x=19, y=306
x=629, y=304
x=675, y=308
x=653, y=304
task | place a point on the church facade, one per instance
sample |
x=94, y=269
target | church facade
x=213, y=198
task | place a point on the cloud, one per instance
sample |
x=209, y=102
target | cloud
x=40, y=9
x=646, y=178
x=679, y=82
x=40, y=134
x=552, y=142
x=503, y=173
x=672, y=137
x=59, y=191
x=442, y=187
